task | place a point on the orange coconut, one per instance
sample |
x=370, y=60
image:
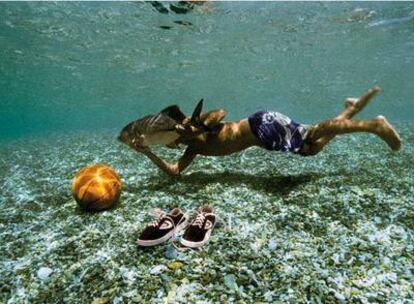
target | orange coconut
x=96, y=187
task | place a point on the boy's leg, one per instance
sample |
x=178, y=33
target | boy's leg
x=378, y=126
x=355, y=105
x=352, y=107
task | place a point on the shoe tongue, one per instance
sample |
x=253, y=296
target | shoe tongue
x=206, y=209
x=175, y=212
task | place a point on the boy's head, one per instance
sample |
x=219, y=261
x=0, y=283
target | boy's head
x=198, y=123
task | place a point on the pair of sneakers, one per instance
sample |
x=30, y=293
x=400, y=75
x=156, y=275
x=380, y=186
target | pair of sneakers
x=166, y=225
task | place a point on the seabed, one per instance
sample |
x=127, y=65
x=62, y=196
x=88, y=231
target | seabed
x=337, y=227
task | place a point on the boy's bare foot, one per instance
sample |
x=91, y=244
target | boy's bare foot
x=388, y=133
x=355, y=105
x=350, y=102
x=359, y=103
x=366, y=98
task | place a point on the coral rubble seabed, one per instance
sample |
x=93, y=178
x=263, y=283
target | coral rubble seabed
x=335, y=227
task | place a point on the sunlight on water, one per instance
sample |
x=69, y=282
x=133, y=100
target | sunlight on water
x=91, y=66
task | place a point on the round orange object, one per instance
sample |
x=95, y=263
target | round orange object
x=96, y=187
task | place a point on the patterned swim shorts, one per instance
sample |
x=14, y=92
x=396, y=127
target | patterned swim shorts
x=278, y=132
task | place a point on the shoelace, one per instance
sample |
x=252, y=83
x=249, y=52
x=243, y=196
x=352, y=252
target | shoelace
x=175, y=237
x=199, y=220
x=158, y=215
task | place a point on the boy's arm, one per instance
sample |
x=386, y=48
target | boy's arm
x=171, y=169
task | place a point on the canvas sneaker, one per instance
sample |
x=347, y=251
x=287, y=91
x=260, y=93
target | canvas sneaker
x=164, y=226
x=198, y=232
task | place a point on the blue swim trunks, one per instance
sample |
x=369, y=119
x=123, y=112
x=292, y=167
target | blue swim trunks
x=278, y=132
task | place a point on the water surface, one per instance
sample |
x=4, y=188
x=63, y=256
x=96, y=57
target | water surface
x=93, y=66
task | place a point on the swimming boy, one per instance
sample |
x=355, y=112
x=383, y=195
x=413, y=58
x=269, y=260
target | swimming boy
x=270, y=130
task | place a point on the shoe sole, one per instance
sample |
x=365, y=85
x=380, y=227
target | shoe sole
x=149, y=243
x=191, y=244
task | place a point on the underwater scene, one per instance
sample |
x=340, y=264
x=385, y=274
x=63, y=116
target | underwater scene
x=206, y=152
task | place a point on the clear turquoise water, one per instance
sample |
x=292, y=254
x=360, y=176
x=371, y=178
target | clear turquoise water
x=334, y=228
x=95, y=66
